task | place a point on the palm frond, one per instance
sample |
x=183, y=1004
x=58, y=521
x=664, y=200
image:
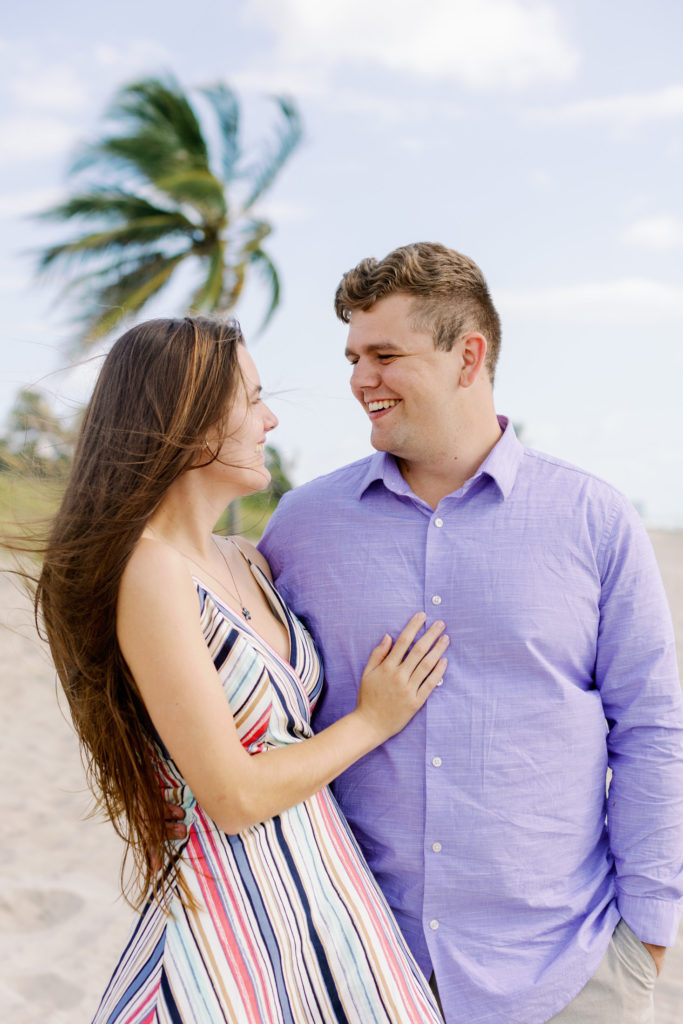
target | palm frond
x=159, y=199
x=158, y=132
x=252, y=233
x=289, y=135
x=208, y=295
x=127, y=294
x=233, y=285
x=198, y=188
x=262, y=261
x=98, y=243
x=107, y=204
x=227, y=112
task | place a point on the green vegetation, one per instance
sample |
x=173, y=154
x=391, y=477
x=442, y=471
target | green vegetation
x=160, y=191
x=163, y=187
x=27, y=502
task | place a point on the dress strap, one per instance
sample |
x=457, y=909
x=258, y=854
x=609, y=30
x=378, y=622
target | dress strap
x=277, y=605
x=243, y=553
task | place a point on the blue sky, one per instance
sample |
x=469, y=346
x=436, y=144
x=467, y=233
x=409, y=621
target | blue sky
x=544, y=139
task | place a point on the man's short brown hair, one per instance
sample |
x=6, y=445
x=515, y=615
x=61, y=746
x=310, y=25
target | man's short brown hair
x=451, y=294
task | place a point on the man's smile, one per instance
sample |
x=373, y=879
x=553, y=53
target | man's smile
x=381, y=405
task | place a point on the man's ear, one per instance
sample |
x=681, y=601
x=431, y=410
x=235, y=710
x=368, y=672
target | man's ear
x=473, y=353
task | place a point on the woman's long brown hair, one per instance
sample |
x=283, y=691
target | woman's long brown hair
x=161, y=387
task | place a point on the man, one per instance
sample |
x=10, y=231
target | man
x=524, y=891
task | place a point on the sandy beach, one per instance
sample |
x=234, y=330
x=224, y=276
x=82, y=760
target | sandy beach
x=62, y=920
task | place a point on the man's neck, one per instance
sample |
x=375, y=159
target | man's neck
x=432, y=481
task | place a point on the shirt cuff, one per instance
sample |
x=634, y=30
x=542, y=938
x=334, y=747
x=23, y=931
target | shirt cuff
x=654, y=921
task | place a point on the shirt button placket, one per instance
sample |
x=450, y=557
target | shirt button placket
x=434, y=868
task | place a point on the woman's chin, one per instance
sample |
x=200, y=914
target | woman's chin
x=260, y=478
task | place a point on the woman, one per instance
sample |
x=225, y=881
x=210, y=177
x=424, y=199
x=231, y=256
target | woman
x=265, y=911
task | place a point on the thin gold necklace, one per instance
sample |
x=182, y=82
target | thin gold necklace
x=245, y=611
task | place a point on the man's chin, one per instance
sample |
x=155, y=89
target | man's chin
x=379, y=443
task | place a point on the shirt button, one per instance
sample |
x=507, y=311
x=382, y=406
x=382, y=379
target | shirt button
x=436, y=847
x=437, y=762
x=439, y=682
x=436, y=599
x=434, y=925
x=438, y=522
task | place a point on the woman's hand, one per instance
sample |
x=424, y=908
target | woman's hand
x=160, y=635
x=398, y=678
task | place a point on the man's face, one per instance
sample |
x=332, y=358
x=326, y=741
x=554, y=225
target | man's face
x=408, y=388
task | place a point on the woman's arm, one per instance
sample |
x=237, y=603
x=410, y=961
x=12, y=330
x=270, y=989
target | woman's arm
x=159, y=633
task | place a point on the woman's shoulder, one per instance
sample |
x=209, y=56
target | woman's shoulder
x=253, y=554
x=154, y=569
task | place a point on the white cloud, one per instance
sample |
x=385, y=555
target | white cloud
x=12, y=282
x=55, y=88
x=18, y=204
x=282, y=212
x=279, y=80
x=541, y=179
x=626, y=110
x=33, y=136
x=481, y=43
x=657, y=233
x=137, y=56
x=611, y=302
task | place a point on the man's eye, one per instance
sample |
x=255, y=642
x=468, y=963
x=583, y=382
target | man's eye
x=389, y=355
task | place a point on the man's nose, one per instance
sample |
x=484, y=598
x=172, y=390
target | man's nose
x=364, y=375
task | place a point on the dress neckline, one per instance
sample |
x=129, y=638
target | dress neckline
x=274, y=602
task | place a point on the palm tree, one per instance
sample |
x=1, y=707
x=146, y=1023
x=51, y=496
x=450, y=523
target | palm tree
x=37, y=438
x=166, y=193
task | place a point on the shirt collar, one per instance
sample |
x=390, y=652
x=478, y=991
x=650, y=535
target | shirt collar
x=501, y=465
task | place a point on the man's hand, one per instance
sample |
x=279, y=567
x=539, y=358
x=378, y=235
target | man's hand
x=173, y=814
x=657, y=953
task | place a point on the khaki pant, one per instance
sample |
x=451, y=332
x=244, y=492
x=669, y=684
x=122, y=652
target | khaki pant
x=622, y=988
x=620, y=992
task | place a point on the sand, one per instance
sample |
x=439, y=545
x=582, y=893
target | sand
x=62, y=921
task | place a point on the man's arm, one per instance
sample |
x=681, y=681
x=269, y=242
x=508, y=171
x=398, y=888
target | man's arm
x=636, y=673
x=657, y=953
x=274, y=542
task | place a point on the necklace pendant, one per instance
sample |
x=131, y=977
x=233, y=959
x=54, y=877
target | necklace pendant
x=246, y=613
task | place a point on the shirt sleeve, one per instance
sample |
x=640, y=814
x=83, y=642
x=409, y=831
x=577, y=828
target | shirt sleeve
x=273, y=543
x=637, y=675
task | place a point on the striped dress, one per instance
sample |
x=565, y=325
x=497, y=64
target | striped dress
x=290, y=927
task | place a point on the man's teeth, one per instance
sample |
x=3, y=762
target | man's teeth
x=386, y=403
x=260, y=447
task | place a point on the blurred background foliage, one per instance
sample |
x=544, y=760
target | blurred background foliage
x=167, y=184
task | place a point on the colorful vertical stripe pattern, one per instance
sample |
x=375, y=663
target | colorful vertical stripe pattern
x=289, y=926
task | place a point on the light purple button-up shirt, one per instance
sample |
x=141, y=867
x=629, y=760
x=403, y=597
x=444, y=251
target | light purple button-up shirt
x=484, y=821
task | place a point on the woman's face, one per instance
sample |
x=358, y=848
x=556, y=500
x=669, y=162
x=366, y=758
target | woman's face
x=241, y=448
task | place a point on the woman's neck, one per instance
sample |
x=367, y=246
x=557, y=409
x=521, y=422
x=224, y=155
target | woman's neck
x=186, y=516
